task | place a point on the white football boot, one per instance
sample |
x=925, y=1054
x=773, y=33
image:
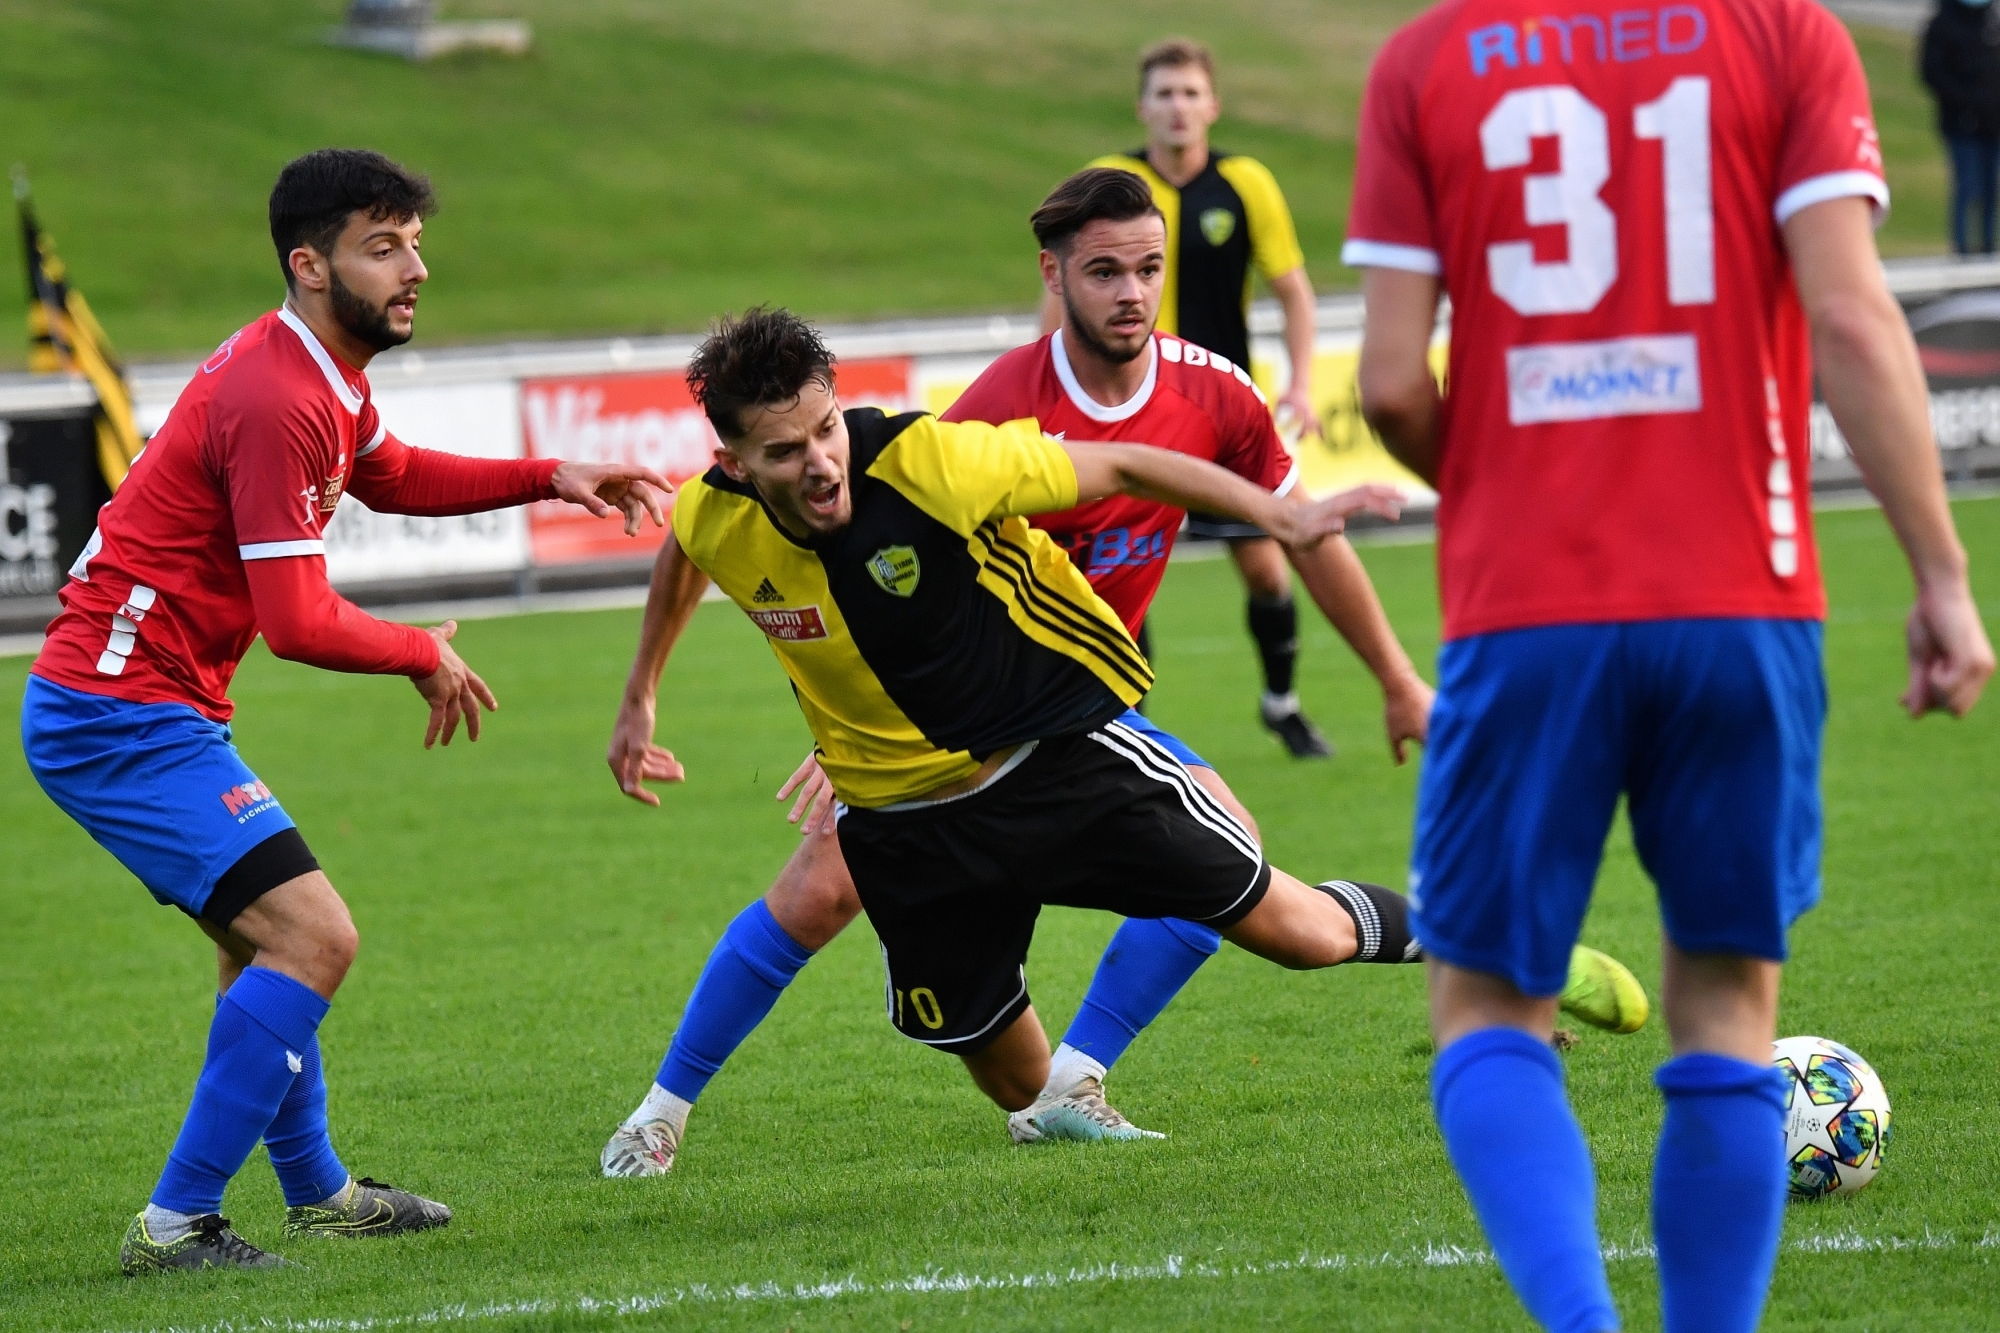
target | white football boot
x=1079, y=1113
x=644, y=1149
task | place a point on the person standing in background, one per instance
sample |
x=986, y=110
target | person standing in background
x=1226, y=215
x=1961, y=67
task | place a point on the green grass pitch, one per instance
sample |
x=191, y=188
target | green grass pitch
x=652, y=164
x=529, y=936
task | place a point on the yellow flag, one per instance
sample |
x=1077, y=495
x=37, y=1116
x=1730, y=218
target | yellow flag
x=64, y=337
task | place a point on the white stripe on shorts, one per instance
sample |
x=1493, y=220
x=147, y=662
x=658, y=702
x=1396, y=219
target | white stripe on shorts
x=1156, y=760
x=1158, y=763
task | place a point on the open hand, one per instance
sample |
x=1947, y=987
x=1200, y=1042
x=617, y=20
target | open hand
x=815, y=803
x=1303, y=524
x=603, y=487
x=635, y=759
x=452, y=691
x=1950, y=657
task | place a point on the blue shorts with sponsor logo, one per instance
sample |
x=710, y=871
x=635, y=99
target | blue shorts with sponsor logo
x=1173, y=744
x=1711, y=731
x=158, y=785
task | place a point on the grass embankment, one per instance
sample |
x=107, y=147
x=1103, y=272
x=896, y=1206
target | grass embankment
x=650, y=165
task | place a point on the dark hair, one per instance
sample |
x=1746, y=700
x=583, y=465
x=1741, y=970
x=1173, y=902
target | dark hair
x=1175, y=53
x=317, y=193
x=764, y=356
x=1092, y=195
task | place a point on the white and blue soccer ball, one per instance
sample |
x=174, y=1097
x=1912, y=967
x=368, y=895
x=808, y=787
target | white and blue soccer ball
x=1836, y=1117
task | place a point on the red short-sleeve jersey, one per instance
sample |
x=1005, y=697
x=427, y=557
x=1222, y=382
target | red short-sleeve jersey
x=1192, y=402
x=1601, y=189
x=250, y=463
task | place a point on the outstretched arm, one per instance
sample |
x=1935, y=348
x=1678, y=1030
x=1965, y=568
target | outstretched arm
x=1868, y=368
x=1340, y=587
x=1193, y=483
x=395, y=478
x=635, y=759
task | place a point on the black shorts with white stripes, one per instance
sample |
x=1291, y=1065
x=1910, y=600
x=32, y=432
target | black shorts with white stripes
x=1105, y=819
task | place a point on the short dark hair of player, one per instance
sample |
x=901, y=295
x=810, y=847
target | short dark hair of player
x=1175, y=53
x=760, y=358
x=316, y=194
x=1095, y=194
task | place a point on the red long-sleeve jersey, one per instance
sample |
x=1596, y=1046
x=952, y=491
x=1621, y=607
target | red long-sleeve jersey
x=215, y=534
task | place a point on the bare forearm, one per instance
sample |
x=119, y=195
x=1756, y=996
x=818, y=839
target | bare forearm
x=671, y=599
x=1399, y=399
x=1169, y=478
x=1410, y=434
x=1868, y=369
x=1295, y=295
x=1339, y=585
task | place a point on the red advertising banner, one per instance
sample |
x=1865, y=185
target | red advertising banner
x=652, y=420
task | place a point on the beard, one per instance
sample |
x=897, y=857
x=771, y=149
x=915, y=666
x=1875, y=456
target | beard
x=1086, y=335
x=369, y=324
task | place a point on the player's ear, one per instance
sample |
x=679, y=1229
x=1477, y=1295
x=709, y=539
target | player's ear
x=732, y=466
x=308, y=267
x=1052, y=272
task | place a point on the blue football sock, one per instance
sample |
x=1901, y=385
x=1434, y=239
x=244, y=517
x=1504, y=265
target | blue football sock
x=1718, y=1190
x=301, y=1153
x=1143, y=968
x=256, y=1048
x=751, y=966
x=1517, y=1147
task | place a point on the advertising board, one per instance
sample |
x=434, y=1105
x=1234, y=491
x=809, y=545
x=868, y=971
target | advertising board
x=650, y=419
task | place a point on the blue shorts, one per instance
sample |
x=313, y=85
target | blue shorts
x=158, y=785
x=1710, y=728
x=1136, y=720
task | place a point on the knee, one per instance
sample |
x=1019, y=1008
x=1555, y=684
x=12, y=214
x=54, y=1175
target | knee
x=815, y=901
x=1264, y=571
x=338, y=942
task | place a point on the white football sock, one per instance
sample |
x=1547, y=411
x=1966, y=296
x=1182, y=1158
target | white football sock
x=1067, y=1067
x=662, y=1105
x=165, y=1225
x=1279, y=705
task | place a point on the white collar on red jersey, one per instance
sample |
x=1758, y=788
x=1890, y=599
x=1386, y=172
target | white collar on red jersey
x=349, y=399
x=1089, y=406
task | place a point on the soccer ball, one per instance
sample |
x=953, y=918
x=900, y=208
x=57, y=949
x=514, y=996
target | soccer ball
x=1836, y=1117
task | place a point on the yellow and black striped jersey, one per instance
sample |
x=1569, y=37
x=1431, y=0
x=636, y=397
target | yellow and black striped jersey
x=937, y=627
x=1226, y=220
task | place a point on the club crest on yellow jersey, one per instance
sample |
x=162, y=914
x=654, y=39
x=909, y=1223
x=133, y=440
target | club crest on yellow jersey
x=1218, y=225
x=896, y=569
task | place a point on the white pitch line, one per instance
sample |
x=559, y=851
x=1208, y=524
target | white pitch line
x=1174, y=1268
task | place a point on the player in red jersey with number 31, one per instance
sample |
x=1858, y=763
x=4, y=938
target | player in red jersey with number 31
x=1649, y=222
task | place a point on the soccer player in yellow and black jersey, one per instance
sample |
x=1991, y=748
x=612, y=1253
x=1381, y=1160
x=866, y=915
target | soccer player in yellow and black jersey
x=1226, y=218
x=966, y=689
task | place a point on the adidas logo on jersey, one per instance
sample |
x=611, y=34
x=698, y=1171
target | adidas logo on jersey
x=766, y=594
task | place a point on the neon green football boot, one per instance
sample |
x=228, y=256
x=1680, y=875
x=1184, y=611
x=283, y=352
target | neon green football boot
x=1603, y=992
x=209, y=1244
x=366, y=1208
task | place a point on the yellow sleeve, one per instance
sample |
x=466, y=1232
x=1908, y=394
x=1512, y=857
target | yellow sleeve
x=690, y=506
x=1274, y=241
x=963, y=473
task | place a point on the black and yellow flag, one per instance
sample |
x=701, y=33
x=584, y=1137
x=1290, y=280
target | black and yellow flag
x=63, y=336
